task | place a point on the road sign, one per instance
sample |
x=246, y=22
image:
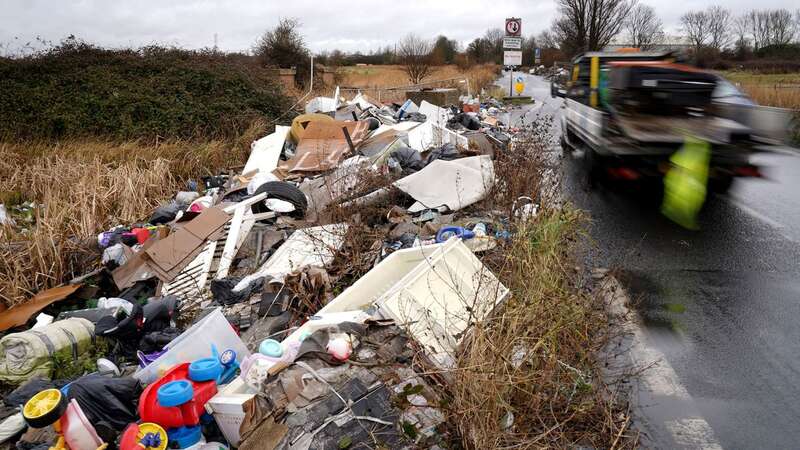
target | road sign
x=512, y=42
x=514, y=27
x=512, y=58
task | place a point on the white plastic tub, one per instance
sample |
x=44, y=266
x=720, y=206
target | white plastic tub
x=195, y=343
x=436, y=292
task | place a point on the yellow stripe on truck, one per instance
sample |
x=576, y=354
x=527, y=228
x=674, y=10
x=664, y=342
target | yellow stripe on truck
x=594, y=78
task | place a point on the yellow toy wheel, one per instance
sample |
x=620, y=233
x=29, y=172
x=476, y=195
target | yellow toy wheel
x=151, y=436
x=44, y=408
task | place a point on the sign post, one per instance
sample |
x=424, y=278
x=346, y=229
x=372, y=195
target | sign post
x=513, y=41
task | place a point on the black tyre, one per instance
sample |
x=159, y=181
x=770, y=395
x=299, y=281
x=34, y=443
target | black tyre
x=282, y=191
x=721, y=185
x=565, y=148
x=593, y=167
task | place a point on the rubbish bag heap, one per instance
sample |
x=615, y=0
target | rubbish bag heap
x=219, y=312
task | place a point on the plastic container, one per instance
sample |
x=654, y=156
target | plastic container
x=226, y=407
x=446, y=233
x=78, y=432
x=271, y=348
x=194, y=344
x=186, y=437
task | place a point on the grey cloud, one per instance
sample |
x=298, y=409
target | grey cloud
x=347, y=25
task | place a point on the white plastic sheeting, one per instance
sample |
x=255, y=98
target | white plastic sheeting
x=308, y=247
x=455, y=184
x=434, y=114
x=429, y=135
x=265, y=152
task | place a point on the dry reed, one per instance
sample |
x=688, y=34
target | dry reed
x=82, y=187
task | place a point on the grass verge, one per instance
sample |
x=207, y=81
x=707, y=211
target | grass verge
x=373, y=78
x=530, y=376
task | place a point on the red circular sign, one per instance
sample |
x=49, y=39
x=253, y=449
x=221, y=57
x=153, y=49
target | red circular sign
x=513, y=27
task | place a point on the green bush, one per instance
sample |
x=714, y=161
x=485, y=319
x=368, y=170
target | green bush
x=76, y=89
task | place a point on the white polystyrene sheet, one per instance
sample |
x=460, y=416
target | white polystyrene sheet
x=429, y=135
x=402, y=126
x=265, y=152
x=455, y=184
x=434, y=291
x=362, y=101
x=434, y=114
x=321, y=105
x=306, y=247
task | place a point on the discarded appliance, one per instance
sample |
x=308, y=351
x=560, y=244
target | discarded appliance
x=436, y=292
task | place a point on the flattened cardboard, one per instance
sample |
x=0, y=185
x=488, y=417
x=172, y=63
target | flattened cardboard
x=324, y=146
x=135, y=269
x=171, y=255
x=19, y=315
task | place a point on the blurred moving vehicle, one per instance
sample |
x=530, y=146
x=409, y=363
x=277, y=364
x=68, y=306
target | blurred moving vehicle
x=630, y=111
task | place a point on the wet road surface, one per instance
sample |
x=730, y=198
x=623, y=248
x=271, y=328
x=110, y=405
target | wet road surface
x=722, y=305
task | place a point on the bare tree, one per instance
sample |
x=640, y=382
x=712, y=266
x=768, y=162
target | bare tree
x=781, y=27
x=414, y=54
x=586, y=25
x=282, y=46
x=545, y=39
x=695, y=26
x=644, y=27
x=759, y=27
x=741, y=28
x=719, y=24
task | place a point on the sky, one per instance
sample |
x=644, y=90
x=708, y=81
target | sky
x=352, y=25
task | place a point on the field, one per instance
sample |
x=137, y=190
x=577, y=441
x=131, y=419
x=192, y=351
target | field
x=781, y=90
x=372, y=80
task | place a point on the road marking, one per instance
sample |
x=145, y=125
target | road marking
x=752, y=212
x=693, y=432
x=779, y=227
x=659, y=378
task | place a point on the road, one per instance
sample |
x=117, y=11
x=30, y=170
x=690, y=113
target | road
x=720, y=306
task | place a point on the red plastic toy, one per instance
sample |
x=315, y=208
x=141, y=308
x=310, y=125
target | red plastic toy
x=184, y=415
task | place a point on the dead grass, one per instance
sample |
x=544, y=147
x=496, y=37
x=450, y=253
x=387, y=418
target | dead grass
x=781, y=90
x=774, y=95
x=371, y=79
x=535, y=363
x=83, y=187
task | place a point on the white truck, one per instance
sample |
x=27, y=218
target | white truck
x=629, y=112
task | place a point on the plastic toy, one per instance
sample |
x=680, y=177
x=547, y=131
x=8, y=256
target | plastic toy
x=176, y=401
x=143, y=436
x=50, y=407
x=183, y=399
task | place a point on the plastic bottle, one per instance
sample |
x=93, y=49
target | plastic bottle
x=446, y=233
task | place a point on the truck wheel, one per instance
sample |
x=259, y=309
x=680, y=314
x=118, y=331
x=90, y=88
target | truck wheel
x=565, y=148
x=721, y=185
x=593, y=168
